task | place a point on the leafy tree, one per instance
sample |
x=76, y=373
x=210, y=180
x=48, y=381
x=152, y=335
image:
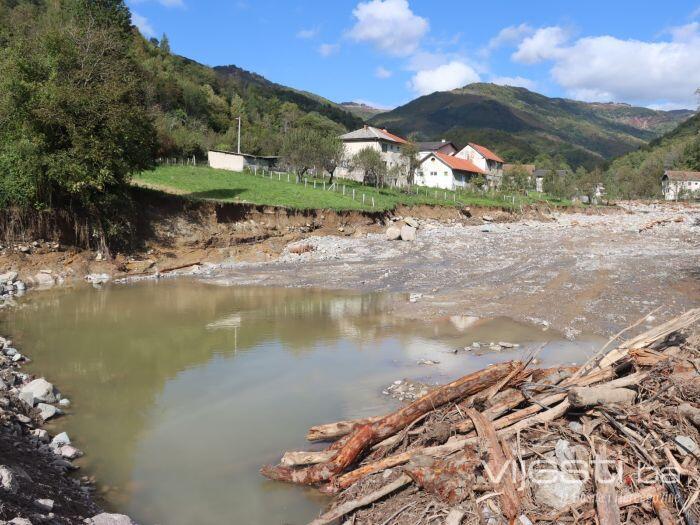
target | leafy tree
x=409, y=156
x=370, y=162
x=165, y=44
x=299, y=151
x=330, y=152
x=73, y=106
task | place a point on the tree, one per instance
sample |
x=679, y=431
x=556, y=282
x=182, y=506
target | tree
x=299, y=151
x=370, y=162
x=330, y=152
x=165, y=44
x=409, y=155
x=75, y=124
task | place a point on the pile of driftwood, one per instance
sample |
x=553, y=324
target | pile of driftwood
x=614, y=441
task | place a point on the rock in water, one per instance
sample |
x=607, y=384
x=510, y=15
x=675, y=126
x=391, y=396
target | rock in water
x=393, y=233
x=47, y=411
x=408, y=233
x=41, y=389
x=110, y=519
x=60, y=440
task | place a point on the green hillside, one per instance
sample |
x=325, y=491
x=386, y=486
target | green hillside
x=361, y=110
x=639, y=173
x=519, y=123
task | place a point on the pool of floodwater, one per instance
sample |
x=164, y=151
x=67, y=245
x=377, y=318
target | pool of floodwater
x=181, y=390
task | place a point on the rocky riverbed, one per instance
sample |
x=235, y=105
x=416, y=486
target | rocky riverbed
x=37, y=484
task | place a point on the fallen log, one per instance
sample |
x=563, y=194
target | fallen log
x=349, y=506
x=332, y=431
x=581, y=397
x=665, y=516
x=607, y=508
x=451, y=481
x=691, y=413
x=296, y=459
x=368, y=435
x=497, y=463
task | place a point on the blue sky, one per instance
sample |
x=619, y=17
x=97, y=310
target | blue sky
x=387, y=52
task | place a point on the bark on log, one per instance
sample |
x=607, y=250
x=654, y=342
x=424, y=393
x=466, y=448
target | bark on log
x=368, y=435
x=691, y=413
x=600, y=395
x=297, y=459
x=498, y=465
x=665, y=516
x=451, y=481
x=607, y=508
x=332, y=431
x=349, y=506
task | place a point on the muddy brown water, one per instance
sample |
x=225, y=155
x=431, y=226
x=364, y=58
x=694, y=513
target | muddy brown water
x=181, y=390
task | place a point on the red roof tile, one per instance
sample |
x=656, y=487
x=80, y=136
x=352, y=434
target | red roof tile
x=684, y=176
x=486, y=152
x=459, y=164
x=393, y=137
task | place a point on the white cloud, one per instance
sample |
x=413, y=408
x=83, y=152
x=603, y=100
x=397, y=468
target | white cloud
x=515, y=81
x=608, y=68
x=443, y=78
x=508, y=36
x=326, y=50
x=389, y=25
x=695, y=14
x=544, y=44
x=143, y=25
x=307, y=33
x=382, y=72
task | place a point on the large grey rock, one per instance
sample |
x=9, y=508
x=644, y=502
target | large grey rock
x=60, y=439
x=110, y=519
x=44, y=505
x=70, y=452
x=45, y=280
x=408, y=233
x=27, y=398
x=47, y=411
x=19, y=521
x=42, y=390
x=413, y=223
x=8, y=480
x=97, y=278
x=393, y=233
x=557, y=489
x=8, y=277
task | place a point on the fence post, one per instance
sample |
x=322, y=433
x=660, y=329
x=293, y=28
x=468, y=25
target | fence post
x=363, y=199
x=306, y=181
x=445, y=195
x=435, y=194
x=372, y=202
x=314, y=183
x=343, y=189
x=287, y=176
x=324, y=185
x=353, y=194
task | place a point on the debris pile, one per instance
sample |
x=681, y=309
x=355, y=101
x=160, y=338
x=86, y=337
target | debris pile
x=614, y=441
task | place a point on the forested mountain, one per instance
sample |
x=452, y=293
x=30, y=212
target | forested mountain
x=639, y=173
x=364, y=111
x=520, y=124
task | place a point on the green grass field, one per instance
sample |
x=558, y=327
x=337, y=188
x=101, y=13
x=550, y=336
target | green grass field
x=227, y=186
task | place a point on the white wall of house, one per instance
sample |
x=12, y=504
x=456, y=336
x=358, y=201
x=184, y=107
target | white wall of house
x=226, y=161
x=677, y=189
x=390, y=153
x=493, y=169
x=434, y=173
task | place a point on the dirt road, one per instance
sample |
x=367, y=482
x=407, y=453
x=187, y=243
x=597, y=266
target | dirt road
x=576, y=273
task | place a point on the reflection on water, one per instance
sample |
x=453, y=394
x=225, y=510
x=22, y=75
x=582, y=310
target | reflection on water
x=181, y=391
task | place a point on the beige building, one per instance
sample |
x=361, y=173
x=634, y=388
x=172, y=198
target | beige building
x=677, y=185
x=484, y=159
x=387, y=144
x=227, y=160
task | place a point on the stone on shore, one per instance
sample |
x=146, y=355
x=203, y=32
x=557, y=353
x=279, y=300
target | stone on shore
x=45, y=505
x=44, y=279
x=60, y=439
x=110, y=519
x=47, y=411
x=413, y=223
x=393, y=233
x=70, y=452
x=8, y=277
x=8, y=480
x=27, y=398
x=42, y=390
x=408, y=233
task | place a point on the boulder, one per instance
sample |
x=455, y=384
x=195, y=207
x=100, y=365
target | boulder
x=47, y=411
x=8, y=277
x=41, y=434
x=41, y=389
x=556, y=489
x=413, y=223
x=44, y=279
x=110, y=519
x=65, y=402
x=27, y=398
x=70, y=452
x=19, y=521
x=393, y=233
x=44, y=505
x=60, y=440
x=8, y=480
x=408, y=233
x=97, y=278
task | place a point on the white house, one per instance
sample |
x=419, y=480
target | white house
x=227, y=160
x=680, y=184
x=441, y=146
x=446, y=172
x=484, y=159
x=387, y=144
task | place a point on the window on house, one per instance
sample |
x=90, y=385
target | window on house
x=433, y=173
x=384, y=148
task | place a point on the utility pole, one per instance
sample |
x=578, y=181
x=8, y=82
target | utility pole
x=239, y=134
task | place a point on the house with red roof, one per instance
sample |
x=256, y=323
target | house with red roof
x=677, y=185
x=484, y=159
x=387, y=144
x=447, y=172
